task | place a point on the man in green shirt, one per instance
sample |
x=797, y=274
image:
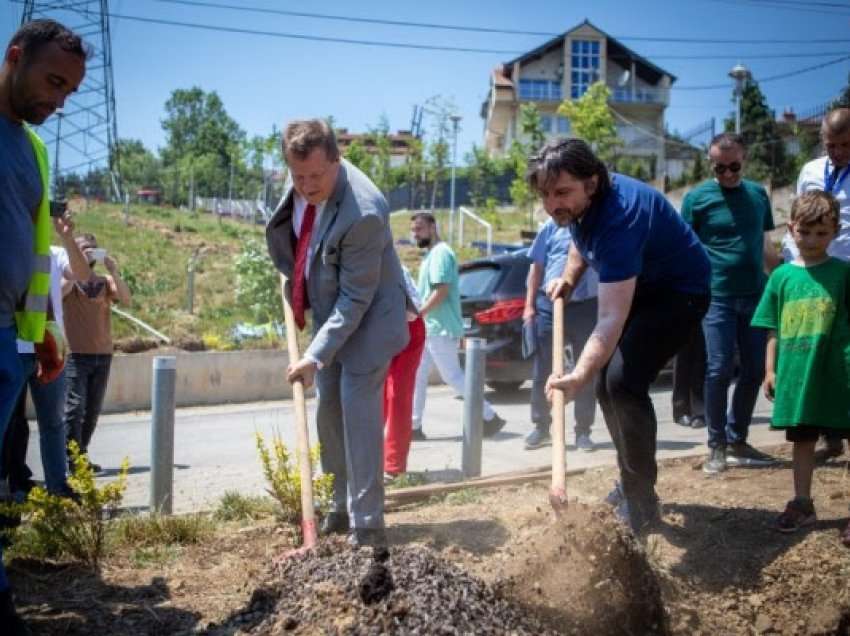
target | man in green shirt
x=440, y=293
x=732, y=217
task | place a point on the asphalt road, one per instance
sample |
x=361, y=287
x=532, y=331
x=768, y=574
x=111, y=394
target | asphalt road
x=215, y=447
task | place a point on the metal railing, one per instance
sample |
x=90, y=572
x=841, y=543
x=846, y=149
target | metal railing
x=641, y=95
x=488, y=226
x=246, y=209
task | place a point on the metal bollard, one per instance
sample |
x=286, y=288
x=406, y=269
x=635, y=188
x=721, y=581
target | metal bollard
x=162, y=433
x=190, y=287
x=473, y=407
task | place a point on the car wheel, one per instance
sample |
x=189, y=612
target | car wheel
x=505, y=387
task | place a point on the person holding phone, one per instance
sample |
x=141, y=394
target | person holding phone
x=88, y=327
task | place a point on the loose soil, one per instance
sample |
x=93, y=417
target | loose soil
x=493, y=562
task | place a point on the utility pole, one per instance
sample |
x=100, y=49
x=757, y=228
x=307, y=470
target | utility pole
x=90, y=133
x=455, y=122
x=741, y=75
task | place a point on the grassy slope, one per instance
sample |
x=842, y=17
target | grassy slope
x=153, y=252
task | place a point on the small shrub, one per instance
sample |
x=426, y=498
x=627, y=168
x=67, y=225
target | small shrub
x=281, y=471
x=464, y=496
x=58, y=526
x=234, y=506
x=408, y=480
x=162, y=530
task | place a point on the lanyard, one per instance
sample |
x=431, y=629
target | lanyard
x=833, y=184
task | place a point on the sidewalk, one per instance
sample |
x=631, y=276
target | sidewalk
x=215, y=448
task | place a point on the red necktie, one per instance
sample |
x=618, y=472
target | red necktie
x=299, y=287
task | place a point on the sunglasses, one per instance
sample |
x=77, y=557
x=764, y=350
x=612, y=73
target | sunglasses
x=721, y=168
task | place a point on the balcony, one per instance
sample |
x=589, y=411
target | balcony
x=540, y=91
x=640, y=95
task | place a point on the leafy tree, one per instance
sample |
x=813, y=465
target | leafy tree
x=483, y=171
x=357, y=154
x=437, y=161
x=139, y=167
x=699, y=171
x=765, y=148
x=257, y=283
x=843, y=100
x=591, y=119
x=531, y=126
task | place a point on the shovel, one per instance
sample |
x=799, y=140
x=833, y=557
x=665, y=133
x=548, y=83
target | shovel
x=302, y=438
x=558, y=490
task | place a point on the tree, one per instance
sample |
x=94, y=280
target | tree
x=532, y=129
x=843, y=100
x=531, y=126
x=765, y=148
x=197, y=126
x=139, y=167
x=483, y=172
x=358, y=155
x=591, y=119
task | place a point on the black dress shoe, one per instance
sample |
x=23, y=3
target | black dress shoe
x=698, y=422
x=493, y=425
x=334, y=523
x=685, y=421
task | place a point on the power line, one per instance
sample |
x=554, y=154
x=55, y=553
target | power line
x=478, y=29
x=829, y=8
x=770, y=78
x=757, y=56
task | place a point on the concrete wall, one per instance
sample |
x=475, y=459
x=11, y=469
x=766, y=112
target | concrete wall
x=205, y=377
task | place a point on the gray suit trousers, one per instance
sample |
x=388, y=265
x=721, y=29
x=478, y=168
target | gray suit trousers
x=350, y=421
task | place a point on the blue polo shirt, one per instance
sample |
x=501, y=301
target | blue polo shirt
x=635, y=232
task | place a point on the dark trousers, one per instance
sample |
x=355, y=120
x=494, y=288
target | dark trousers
x=15, y=443
x=86, y=375
x=579, y=321
x=689, y=377
x=658, y=325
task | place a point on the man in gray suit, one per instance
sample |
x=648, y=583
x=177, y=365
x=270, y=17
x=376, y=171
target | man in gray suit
x=330, y=236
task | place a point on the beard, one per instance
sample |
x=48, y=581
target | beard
x=423, y=243
x=563, y=217
x=24, y=106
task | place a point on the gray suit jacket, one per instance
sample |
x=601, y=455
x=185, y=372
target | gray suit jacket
x=355, y=284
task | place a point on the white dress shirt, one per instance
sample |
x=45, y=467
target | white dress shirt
x=811, y=178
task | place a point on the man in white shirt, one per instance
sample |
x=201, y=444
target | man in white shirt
x=830, y=173
x=47, y=393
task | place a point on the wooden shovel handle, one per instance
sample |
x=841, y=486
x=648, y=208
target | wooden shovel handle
x=302, y=435
x=558, y=492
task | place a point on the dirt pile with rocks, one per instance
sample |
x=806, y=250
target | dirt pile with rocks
x=585, y=574
x=413, y=591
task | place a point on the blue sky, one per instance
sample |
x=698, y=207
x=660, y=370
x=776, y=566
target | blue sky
x=265, y=81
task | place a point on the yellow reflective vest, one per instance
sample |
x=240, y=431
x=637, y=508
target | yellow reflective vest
x=32, y=319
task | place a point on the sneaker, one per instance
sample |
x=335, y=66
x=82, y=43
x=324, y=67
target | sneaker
x=742, y=454
x=833, y=448
x=799, y=512
x=538, y=438
x=493, y=425
x=716, y=462
x=418, y=435
x=390, y=478
x=616, y=496
x=584, y=443
x=845, y=536
x=685, y=421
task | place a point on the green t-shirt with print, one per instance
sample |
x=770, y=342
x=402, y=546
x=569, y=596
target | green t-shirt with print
x=440, y=268
x=730, y=223
x=807, y=307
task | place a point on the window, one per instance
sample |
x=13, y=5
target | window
x=585, y=66
x=540, y=90
x=546, y=123
x=563, y=126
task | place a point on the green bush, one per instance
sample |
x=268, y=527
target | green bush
x=61, y=527
x=257, y=283
x=280, y=469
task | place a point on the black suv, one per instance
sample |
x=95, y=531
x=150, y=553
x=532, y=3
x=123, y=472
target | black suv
x=492, y=298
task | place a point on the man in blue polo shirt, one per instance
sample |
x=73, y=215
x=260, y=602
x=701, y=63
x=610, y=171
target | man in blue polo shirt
x=654, y=282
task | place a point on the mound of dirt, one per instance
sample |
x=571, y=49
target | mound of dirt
x=584, y=574
x=135, y=344
x=323, y=593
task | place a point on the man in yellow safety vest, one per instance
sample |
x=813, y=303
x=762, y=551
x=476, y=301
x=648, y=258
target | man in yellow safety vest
x=43, y=63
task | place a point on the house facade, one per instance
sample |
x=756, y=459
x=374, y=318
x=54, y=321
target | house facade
x=564, y=68
x=400, y=144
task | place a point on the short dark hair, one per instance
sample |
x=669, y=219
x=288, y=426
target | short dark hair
x=836, y=122
x=573, y=156
x=425, y=216
x=726, y=140
x=303, y=136
x=33, y=36
x=815, y=206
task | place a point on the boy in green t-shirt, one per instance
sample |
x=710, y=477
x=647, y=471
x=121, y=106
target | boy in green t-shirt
x=805, y=306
